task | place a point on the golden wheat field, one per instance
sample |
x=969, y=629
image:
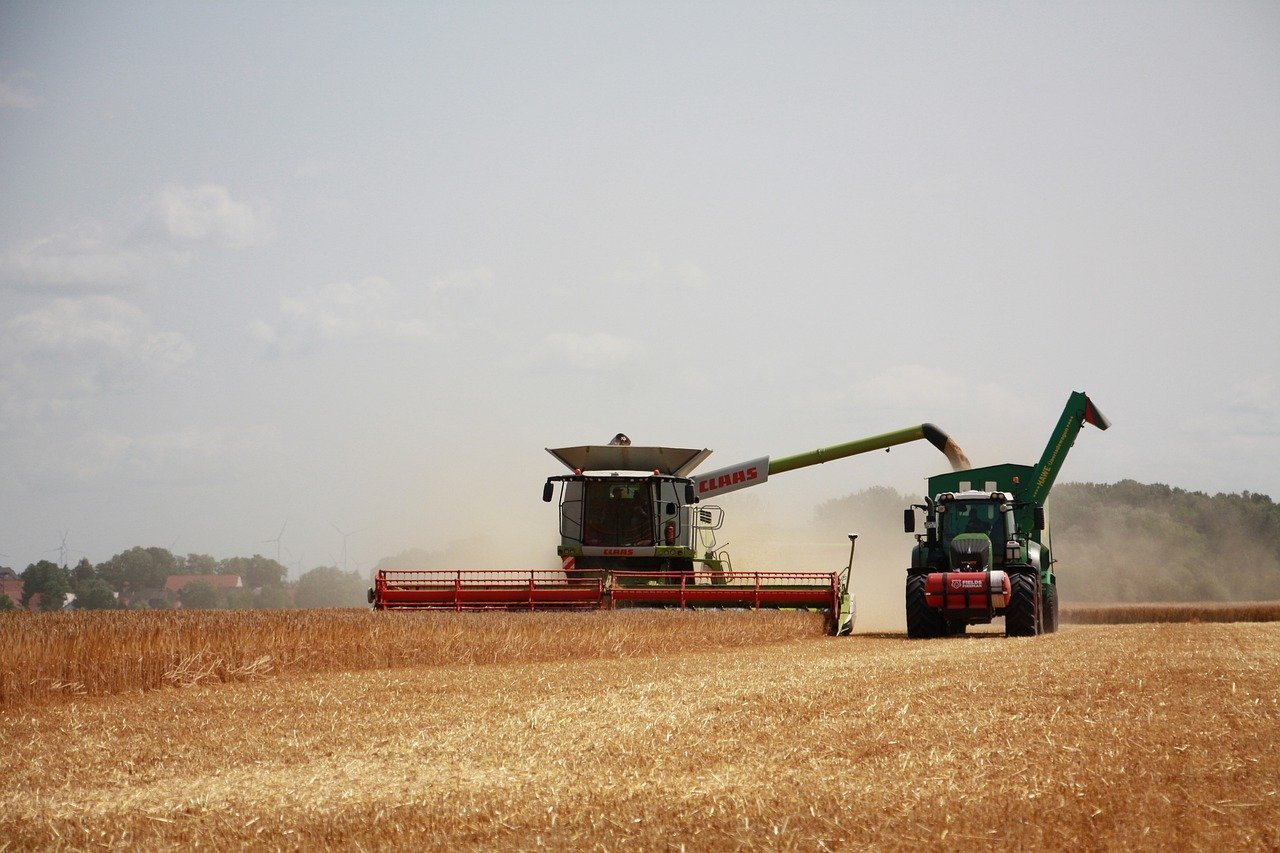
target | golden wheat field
x=637, y=730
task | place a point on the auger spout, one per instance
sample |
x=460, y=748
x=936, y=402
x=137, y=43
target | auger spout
x=757, y=471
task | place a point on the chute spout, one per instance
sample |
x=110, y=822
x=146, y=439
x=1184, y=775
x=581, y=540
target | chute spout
x=939, y=439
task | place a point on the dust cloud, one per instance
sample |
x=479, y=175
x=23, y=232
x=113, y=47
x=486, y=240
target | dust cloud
x=759, y=538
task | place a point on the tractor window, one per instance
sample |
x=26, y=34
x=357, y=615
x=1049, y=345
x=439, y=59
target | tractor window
x=618, y=514
x=975, y=517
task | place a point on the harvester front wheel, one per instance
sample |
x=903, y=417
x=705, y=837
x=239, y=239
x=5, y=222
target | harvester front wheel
x=1051, y=609
x=923, y=622
x=1022, y=616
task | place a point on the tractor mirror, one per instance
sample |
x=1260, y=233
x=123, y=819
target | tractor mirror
x=1040, y=524
x=908, y=521
x=690, y=496
x=547, y=491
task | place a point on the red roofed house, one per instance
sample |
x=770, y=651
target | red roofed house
x=176, y=583
x=11, y=585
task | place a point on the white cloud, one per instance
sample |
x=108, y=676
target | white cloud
x=368, y=310
x=74, y=348
x=86, y=256
x=590, y=351
x=208, y=214
x=162, y=233
x=651, y=271
x=311, y=167
x=462, y=281
x=172, y=456
x=691, y=275
x=14, y=94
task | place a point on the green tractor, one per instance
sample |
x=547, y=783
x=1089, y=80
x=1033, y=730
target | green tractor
x=985, y=551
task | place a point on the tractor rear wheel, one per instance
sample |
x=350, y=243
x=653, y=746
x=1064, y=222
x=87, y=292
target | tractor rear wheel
x=1021, y=617
x=1051, y=609
x=923, y=623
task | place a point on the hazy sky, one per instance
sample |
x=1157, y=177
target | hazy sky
x=347, y=268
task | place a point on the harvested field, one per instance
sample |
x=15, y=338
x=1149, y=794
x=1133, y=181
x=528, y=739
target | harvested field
x=1100, y=737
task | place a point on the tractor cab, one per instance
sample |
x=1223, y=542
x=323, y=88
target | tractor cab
x=974, y=528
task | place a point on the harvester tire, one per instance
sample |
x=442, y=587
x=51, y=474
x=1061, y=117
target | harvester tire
x=1051, y=609
x=923, y=622
x=1021, y=617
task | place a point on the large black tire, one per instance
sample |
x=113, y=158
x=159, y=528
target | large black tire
x=923, y=623
x=1050, y=609
x=1022, y=615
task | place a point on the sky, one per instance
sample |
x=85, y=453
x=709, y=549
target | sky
x=321, y=281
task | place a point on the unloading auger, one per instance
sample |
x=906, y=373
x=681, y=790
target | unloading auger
x=634, y=532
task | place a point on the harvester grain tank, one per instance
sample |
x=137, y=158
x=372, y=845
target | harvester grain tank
x=634, y=532
x=986, y=548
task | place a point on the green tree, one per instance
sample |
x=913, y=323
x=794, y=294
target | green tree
x=255, y=572
x=199, y=564
x=6, y=603
x=139, y=569
x=329, y=586
x=273, y=598
x=51, y=581
x=82, y=574
x=199, y=595
x=95, y=595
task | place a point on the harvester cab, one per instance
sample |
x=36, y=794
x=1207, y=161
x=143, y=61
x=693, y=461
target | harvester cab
x=985, y=551
x=635, y=532
x=628, y=508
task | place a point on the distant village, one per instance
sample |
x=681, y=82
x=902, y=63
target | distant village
x=155, y=579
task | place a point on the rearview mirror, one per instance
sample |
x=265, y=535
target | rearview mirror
x=547, y=491
x=908, y=521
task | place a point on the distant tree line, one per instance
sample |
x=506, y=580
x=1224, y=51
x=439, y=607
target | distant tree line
x=1133, y=542
x=1126, y=542
x=137, y=578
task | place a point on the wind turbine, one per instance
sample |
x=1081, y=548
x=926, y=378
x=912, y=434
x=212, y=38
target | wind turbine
x=277, y=539
x=62, y=550
x=344, y=543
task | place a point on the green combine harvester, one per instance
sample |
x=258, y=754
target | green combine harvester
x=985, y=551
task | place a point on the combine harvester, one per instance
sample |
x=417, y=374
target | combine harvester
x=985, y=551
x=635, y=533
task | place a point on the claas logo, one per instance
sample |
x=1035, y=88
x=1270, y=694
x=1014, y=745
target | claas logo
x=730, y=479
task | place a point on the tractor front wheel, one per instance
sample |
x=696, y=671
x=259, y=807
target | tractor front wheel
x=923, y=623
x=1022, y=616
